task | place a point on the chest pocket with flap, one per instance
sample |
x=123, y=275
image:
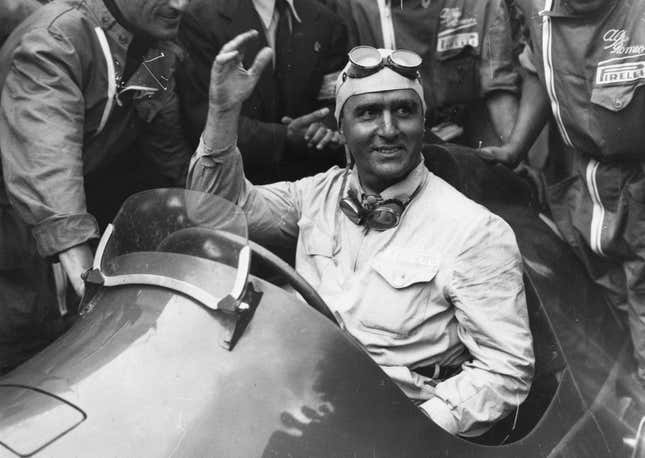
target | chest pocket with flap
x=314, y=239
x=397, y=295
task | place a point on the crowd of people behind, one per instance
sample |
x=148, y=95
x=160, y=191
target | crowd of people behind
x=101, y=98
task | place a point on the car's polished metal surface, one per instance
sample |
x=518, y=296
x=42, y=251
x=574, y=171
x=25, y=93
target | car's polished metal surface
x=144, y=373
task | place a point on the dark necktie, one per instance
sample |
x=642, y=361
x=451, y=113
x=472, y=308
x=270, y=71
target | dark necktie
x=283, y=31
x=282, y=53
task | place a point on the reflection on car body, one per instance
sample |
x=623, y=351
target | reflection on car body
x=143, y=372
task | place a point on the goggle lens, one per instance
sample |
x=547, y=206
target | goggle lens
x=367, y=60
x=365, y=57
x=406, y=59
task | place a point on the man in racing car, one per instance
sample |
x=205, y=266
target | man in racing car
x=429, y=282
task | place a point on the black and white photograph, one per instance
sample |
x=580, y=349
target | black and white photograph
x=322, y=228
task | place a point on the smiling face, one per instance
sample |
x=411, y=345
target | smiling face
x=158, y=19
x=384, y=134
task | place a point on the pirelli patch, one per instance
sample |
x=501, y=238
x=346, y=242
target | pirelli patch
x=620, y=73
x=457, y=41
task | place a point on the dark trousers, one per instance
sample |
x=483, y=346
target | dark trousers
x=600, y=210
x=29, y=315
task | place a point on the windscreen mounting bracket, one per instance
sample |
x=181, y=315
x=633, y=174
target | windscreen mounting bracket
x=236, y=314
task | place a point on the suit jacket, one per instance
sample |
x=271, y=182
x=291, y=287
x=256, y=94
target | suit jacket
x=319, y=46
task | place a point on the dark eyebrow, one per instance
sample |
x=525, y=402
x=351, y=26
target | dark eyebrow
x=407, y=103
x=372, y=106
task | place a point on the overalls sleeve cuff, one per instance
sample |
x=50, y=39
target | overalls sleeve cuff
x=440, y=413
x=203, y=150
x=57, y=234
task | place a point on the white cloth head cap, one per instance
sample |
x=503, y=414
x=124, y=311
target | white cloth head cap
x=385, y=79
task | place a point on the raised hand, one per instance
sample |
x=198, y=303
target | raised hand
x=231, y=83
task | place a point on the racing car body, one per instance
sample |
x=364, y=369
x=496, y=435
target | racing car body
x=180, y=352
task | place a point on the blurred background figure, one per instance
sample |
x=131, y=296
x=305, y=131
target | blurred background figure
x=13, y=12
x=85, y=85
x=280, y=136
x=469, y=75
x=584, y=72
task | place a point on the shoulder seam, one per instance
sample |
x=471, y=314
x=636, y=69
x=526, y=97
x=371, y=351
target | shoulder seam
x=51, y=25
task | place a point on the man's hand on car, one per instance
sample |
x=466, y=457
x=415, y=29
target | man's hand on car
x=75, y=261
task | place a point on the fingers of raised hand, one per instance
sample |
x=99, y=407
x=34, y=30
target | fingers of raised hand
x=317, y=139
x=311, y=130
x=310, y=118
x=323, y=142
x=225, y=61
x=239, y=42
x=262, y=59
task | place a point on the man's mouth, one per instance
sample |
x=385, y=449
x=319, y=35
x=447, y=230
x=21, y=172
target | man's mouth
x=387, y=149
x=171, y=14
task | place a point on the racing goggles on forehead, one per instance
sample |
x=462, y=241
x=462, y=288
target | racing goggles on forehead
x=367, y=60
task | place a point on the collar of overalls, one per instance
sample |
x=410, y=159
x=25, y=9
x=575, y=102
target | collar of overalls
x=139, y=45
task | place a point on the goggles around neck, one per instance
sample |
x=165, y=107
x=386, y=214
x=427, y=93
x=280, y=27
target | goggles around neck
x=373, y=212
x=367, y=60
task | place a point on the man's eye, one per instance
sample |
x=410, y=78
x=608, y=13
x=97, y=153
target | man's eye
x=367, y=113
x=403, y=111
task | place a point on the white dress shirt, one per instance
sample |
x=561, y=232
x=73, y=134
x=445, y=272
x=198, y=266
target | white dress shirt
x=269, y=17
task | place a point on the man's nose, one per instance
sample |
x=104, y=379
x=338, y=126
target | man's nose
x=179, y=5
x=389, y=127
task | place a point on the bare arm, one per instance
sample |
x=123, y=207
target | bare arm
x=502, y=107
x=531, y=118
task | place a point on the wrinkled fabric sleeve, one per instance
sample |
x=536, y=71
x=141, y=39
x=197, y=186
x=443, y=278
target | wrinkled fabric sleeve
x=487, y=291
x=272, y=211
x=498, y=69
x=41, y=139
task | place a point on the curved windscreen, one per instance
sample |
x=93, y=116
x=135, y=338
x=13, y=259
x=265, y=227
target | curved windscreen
x=184, y=240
